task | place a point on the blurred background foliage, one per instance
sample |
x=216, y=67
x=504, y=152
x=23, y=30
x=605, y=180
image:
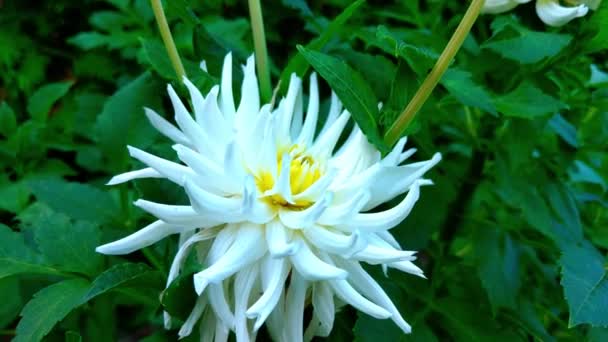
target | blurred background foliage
x=512, y=237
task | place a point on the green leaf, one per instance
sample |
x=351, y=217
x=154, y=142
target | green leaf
x=49, y=306
x=420, y=59
x=178, y=299
x=69, y=246
x=156, y=55
x=564, y=129
x=14, y=196
x=17, y=258
x=121, y=275
x=353, y=91
x=525, y=46
x=12, y=300
x=8, y=120
x=498, y=266
x=527, y=101
x=41, y=102
x=89, y=40
x=585, y=284
x=460, y=84
x=78, y=201
x=298, y=63
x=123, y=122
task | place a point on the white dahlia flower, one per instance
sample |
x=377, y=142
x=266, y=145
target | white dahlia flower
x=551, y=12
x=279, y=220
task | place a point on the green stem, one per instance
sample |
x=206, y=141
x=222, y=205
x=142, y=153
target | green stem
x=431, y=81
x=261, y=54
x=165, y=33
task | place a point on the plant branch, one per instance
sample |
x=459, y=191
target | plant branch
x=261, y=54
x=432, y=79
x=165, y=33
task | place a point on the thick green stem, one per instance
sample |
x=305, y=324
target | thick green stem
x=261, y=54
x=425, y=90
x=165, y=33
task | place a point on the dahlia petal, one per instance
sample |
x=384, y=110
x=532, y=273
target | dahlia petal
x=341, y=212
x=196, y=98
x=365, y=284
x=408, y=267
x=275, y=323
x=184, y=250
x=176, y=214
x=250, y=100
x=305, y=218
x=347, y=293
x=211, y=175
x=195, y=133
x=298, y=114
x=274, y=273
x=247, y=248
x=195, y=315
x=324, y=308
x=388, y=238
x=206, y=202
x=277, y=239
x=226, y=98
x=554, y=14
x=384, y=220
x=499, y=6
x=243, y=285
x=282, y=186
x=164, y=127
x=213, y=121
x=334, y=243
x=312, y=268
x=377, y=255
x=142, y=238
x=335, y=108
x=219, y=305
x=173, y=171
x=137, y=174
x=287, y=108
x=325, y=143
x=252, y=209
x=392, y=159
x=307, y=132
x=319, y=187
x=294, y=302
x=233, y=164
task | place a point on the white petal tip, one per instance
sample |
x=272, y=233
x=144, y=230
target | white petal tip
x=200, y=283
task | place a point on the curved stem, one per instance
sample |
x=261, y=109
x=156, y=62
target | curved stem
x=165, y=33
x=261, y=54
x=425, y=90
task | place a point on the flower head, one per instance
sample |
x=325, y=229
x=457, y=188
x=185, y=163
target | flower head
x=551, y=12
x=281, y=217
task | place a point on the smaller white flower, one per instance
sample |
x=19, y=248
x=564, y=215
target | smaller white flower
x=551, y=12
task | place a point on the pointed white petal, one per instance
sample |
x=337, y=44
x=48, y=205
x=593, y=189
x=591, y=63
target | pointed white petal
x=226, y=98
x=206, y=203
x=312, y=268
x=243, y=285
x=287, y=106
x=196, y=135
x=336, y=214
x=388, y=238
x=277, y=238
x=282, y=185
x=294, y=303
x=212, y=119
x=408, y=267
x=173, y=171
x=144, y=237
x=137, y=174
x=305, y=218
x=335, y=108
x=165, y=127
x=392, y=159
x=499, y=6
x=332, y=242
x=274, y=273
x=211, y=175
x=247, y=248
x=219, y=304
x=312, y=113
x=384, y=220
x=250, y=99
x=324, y=309
x=195, y=315
x=365, y=284
x=176, y=214
x=233, y=163
x=347, y=293
x=184, y=251
x=554, y=14
x=325, y=143
x=319, y=187
x=298, y=113
x=374, y=255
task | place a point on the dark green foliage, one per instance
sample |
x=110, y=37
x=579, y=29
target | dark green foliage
x=512, y=237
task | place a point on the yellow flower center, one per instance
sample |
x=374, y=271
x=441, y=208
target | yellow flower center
x=303, y=172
